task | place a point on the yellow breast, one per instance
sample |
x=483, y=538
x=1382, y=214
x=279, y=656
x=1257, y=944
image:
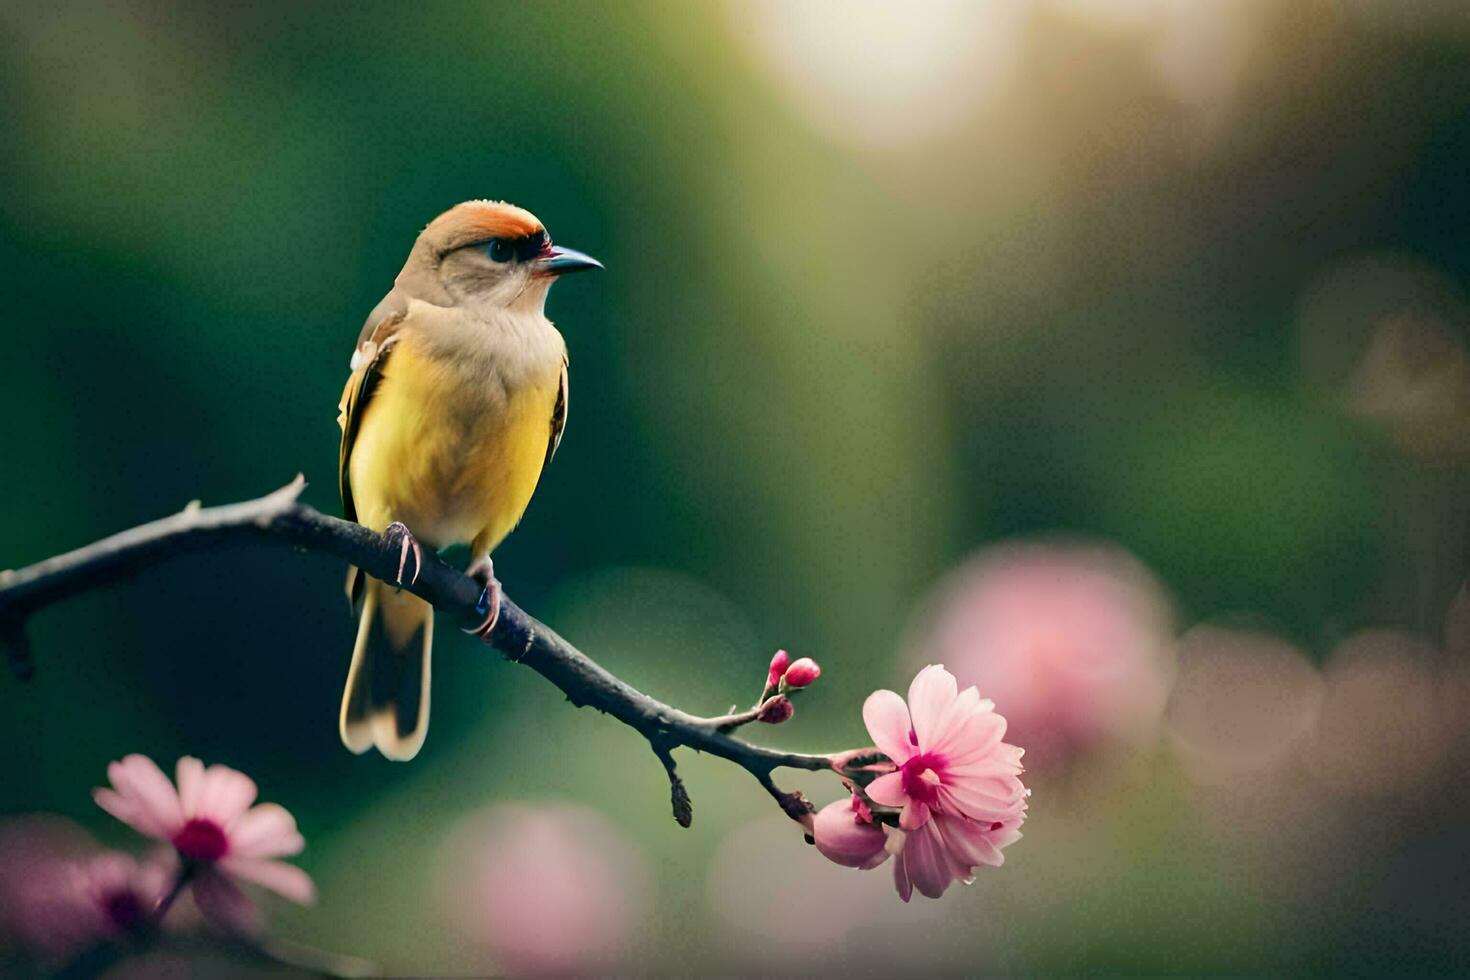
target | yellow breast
x=450, y=452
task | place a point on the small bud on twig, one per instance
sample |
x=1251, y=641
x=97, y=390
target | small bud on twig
x=778, y=668
x=776, y=710
x=801, y=673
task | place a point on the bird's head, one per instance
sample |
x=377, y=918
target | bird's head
x=488, y=253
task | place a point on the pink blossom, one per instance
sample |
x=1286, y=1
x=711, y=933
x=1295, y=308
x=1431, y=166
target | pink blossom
x=1075, y=642
x=947, y=746
x=948, y=848
x=59, y=895
x=845, y=833
x=210, y=821
x=801, y=673
x=66, y=906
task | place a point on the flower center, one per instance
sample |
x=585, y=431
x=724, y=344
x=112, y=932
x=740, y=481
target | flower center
x=921, y=778
x=124, y=910
x=201, y=840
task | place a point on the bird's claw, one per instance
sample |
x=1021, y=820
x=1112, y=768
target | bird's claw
x=407, y=543
x=483, y=570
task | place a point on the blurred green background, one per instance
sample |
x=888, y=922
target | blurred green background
x=885, y=283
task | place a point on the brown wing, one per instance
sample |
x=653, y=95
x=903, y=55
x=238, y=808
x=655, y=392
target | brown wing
x=374, y=344
x=558, y=416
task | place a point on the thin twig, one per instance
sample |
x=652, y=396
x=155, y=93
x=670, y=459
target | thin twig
x=518, y=636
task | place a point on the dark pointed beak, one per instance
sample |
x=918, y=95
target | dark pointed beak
x=558, y=261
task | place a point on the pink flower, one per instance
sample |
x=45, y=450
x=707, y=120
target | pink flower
x=73, y=904
x=59, y=894
x=1075, y=642
x=845, y=833
x=210, y=822
x=948, y=848
x=802, y=673
x=947, y=746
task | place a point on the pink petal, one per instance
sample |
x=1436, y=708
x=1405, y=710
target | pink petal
x=930, y=696
x=964, y=705
x=153, y=799
x=915, y=814
x=970, y=736
x=965, y=800
x=265, y=831
x=190, y=774
x=888, y=723
x=155, y=793
x=284, y=879
x=223, y=903
x=968, y=842
x=1005, y=837
x=992, y=766
x=888, y=790
x=901, y=877
x=226, y=794
x=128, y=812
x=928, y=862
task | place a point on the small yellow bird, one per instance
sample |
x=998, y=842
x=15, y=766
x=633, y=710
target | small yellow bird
x=457, y=399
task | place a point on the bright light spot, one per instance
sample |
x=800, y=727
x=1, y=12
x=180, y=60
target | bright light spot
x=546, y=889
x=883, y=74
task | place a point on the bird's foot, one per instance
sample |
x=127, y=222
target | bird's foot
x=407, y=544
x=483, y=571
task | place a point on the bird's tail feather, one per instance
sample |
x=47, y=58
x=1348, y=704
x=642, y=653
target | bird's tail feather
x=387, y=698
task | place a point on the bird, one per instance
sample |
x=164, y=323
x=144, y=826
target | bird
x=456, y=400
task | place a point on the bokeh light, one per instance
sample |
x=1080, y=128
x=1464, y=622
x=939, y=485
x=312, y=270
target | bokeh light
x=1073, y=643
x=546, y=889
x=1245, y=702
x=881, y=75
x=1384, y=725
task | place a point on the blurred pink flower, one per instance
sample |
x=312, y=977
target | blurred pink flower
x=948, y=749
x=845, y=833
x=210, y=822
x=948, y=848
x=802, y=673
x=545, y=889
x=64, y=906
x=1075, y=641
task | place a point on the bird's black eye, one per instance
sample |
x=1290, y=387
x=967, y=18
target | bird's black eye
x=502, y=249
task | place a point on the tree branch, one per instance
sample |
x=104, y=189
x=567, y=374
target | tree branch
x=522, y=639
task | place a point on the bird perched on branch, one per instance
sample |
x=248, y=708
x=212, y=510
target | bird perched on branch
x=457, y=399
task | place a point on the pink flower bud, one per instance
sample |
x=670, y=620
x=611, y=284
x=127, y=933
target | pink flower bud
x=776, y=710
x=845, y=834
x=778, y=667
x=802, y=672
